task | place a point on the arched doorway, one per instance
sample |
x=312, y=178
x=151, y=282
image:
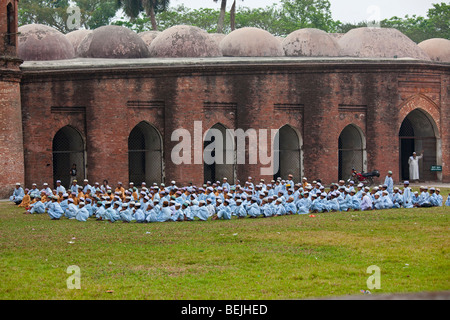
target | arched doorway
x=288, y=154
x=219, y=154
x=145, y=154
x=68, y=149
x=352, y=151
x=418, y=132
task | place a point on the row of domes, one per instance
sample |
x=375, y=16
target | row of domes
x=40, y=42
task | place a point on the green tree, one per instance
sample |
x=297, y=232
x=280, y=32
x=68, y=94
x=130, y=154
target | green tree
x=94, y=13
x=439, y=20
x=298, y=14
x=133, y=8
x=48, y=12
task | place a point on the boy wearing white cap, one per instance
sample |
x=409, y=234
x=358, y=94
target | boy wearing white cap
x=18, y=194
x=82, y=213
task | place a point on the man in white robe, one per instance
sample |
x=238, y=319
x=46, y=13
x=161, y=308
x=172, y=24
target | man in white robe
x=414, y=166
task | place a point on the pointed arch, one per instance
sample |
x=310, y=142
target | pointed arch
x=419, y=131
x=145, y=154
x=288, y=156
x=68, y=147
x=352, y=151
x=219, y=156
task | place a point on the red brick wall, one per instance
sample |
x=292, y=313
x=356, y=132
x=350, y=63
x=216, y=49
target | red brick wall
x=11, y=142
x=317, y=100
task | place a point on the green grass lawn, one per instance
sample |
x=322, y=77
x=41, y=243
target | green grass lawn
x=288, y=257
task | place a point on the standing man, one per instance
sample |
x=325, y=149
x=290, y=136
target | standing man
x=414, y=166
x=73, y=173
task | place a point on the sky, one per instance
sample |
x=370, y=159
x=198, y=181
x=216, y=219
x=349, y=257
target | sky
x=343, y=10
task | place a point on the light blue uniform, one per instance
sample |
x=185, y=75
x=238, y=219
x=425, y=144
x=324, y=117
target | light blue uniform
x=164, y=214
x=447, y=202
x=38, y=207
x=291, y=208
x=101, y=212
x=82, y=214
x=389, y=182
x=17, y=195
x=125, y=215
x=112, y=214
x=71, y=211
x=387, y=202
x=240, y=210
x=224, y=213
x=266, y=210
x=139, y=216
x=55, y=211
x=424, y=198
x=254, y=210
x=397, y=200
x=202, y=213
x=407, y=198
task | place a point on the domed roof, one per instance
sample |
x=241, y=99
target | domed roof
x=379, y=43
x=148, y=36
x=39, y=42
x=113, y=42
x=251, y=42
x=184, y=41
x=310, y=42
x=217, y=37
x=438, y=49
x=75, y=37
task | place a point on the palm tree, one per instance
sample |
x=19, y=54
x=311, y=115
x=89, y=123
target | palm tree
x=133, y=8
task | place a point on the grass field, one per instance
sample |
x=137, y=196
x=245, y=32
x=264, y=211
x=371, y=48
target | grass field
x=288, y=257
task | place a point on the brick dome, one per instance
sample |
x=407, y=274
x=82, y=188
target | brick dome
x=184, y=41
x=75, y=37
x=379, y=43
x=438, y=49
x=218, y=37
x=310, y=42
x=113, y=42
x=251, y=42
x=38, y=42
x=148, y=36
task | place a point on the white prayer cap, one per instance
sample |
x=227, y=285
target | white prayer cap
x=18, y=184
x=360, y=185
x=124, y=204
x=172, y=182
x=85, y=180
x=70, y=200
x=406, y=182
x=81, y=204
x=138, y=204
x=279, y=200
x=45, y=184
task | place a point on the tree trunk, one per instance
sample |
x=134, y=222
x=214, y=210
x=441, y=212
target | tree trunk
x=233, y=16
x=153, y=19
x=223, y=7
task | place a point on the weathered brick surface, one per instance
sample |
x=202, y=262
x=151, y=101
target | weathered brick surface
x=11, y=142
x=318, y=101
